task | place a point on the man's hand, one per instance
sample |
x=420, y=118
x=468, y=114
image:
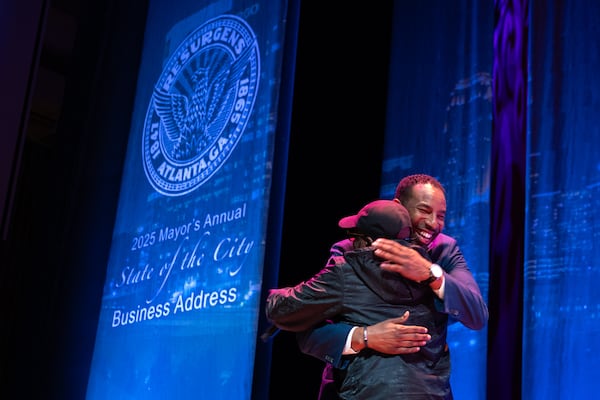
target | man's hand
x=402, y=259
x=393, y=337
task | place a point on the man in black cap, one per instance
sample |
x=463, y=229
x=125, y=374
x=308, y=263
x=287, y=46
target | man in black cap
x=354, y=289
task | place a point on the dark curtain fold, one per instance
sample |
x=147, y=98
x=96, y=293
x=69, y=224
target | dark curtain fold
x=508, y=200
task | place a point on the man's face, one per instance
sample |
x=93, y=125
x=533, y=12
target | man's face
x=427, y=209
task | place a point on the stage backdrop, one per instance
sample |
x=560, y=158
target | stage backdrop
x=562, y=273
x=182, y=294
x=439, y=122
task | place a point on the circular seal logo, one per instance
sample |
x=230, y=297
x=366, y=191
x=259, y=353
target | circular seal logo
x=200, y=105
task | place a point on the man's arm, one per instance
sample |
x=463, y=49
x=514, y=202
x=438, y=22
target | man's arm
x=297, y=308
x=329, y=342
x=462, y=299
x=326, y=342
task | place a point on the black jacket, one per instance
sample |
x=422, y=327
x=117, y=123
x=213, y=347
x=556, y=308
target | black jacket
x=354, y=289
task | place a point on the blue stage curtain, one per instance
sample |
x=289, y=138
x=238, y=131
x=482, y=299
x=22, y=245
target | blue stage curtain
x=439, y=122
x=561, y=306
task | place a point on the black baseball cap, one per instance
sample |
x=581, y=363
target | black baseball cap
x=380, y=218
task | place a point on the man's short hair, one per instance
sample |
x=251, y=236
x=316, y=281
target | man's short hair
x=404, y=188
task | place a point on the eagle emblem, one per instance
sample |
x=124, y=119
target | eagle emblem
x=200, y=105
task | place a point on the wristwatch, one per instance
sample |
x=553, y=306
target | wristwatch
x=435, y=273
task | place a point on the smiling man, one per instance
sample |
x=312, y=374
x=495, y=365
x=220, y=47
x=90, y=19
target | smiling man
x=447, y=274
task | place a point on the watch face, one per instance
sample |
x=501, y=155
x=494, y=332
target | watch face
x=436, y=271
